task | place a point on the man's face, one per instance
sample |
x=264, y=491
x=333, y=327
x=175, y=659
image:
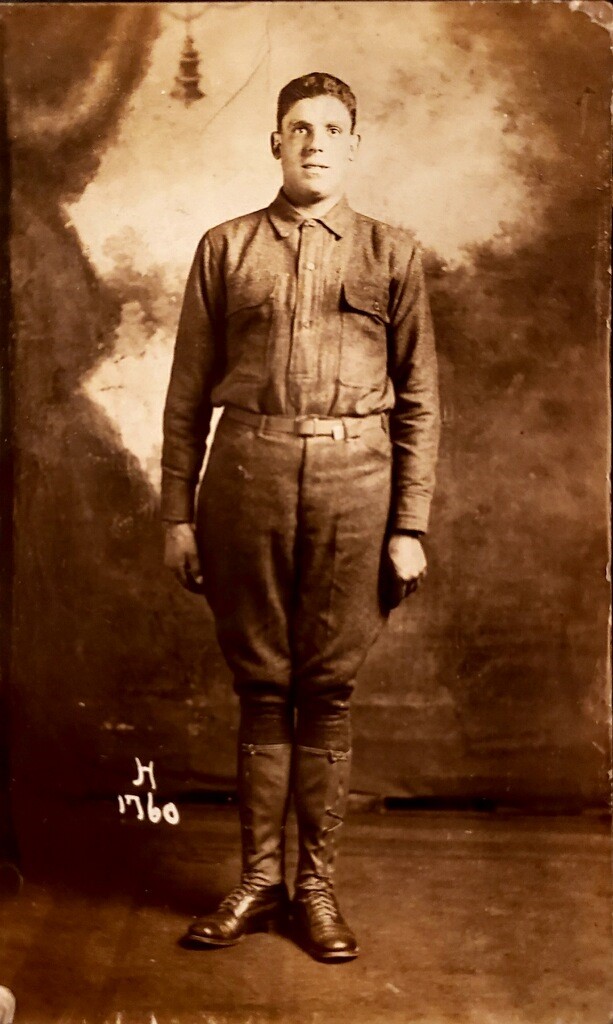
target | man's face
x=316, y=147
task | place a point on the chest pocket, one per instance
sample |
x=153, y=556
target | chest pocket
x=250, y=312
x=364, y=322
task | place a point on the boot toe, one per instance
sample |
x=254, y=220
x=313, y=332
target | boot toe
x=205, y=930
x=215, y=930
x=339, y=945
x=336, y=947
x=324, y=935
x=207, y=936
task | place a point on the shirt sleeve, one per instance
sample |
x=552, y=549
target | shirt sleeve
x=415, y=418
x=187, y=413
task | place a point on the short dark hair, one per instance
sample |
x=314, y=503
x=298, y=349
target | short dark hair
x=317, y=83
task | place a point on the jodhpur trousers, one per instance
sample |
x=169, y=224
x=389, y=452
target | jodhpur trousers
x=291, y=534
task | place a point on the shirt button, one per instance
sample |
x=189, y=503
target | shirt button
x=305, y=323
x=310, y=266
x=376, y=306
x=309, y=224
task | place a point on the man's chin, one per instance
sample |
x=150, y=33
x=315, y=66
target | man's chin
x=313, y=192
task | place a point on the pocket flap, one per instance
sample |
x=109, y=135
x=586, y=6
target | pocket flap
x=367, y=296
x=248, y=292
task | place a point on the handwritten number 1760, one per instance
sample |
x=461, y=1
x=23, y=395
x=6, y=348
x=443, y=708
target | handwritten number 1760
x=154, y=814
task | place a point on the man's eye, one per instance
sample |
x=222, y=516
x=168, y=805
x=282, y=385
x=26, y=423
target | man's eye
x=333, y=130
x=299, y=129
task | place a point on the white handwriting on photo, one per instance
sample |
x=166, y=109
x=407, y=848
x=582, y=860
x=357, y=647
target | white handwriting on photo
x=146, y=809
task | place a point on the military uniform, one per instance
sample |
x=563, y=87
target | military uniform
x=315, y=336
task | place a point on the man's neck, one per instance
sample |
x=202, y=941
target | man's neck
x=316, y=209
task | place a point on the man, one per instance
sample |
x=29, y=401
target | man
x=309, y=323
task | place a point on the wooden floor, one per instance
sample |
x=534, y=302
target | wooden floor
x=465, y=919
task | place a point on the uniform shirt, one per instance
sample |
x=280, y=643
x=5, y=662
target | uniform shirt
x=293, y=316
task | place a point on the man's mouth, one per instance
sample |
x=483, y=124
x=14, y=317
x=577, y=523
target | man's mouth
x=313, y=166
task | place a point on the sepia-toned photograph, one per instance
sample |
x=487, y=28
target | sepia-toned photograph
x=305, y=688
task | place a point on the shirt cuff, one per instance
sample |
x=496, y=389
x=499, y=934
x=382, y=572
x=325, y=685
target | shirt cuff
x=177, y=499
x=414, y=519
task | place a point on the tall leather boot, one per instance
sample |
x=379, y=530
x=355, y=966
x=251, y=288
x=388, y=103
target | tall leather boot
x=261, y=900
x=321, y=785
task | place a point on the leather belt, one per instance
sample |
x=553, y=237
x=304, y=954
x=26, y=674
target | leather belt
x=308, y=426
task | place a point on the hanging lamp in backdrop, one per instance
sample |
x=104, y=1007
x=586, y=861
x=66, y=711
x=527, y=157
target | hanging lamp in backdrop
x=187, y=80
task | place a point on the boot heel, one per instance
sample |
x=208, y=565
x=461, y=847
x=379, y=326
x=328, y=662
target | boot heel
x=273, y=921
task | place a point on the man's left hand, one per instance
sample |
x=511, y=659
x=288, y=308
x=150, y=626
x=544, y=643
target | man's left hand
x=408, y=560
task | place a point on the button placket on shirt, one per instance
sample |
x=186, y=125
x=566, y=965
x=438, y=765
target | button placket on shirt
x=303, y=356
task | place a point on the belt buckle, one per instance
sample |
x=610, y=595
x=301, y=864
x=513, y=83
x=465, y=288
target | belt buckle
x=306, y=426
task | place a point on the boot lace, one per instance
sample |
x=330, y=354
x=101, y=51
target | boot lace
x=244, y=890
x=323, y=902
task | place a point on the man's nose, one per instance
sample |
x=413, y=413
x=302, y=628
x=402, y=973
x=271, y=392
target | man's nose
x=315, y=141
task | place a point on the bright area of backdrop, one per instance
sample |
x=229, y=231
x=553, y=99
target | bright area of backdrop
x=438, y=154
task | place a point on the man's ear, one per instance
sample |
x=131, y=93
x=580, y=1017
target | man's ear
x=275, y=145
x=355, y=145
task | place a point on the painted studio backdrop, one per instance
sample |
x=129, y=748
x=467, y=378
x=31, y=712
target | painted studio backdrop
x=486, y=129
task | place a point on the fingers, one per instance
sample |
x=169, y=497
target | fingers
x=180, y=573
x=189, y=574
x=409, y=586
x=407, y=557
x=193, y=568
x=181, y=557
x=185, y=569
x=415, y=577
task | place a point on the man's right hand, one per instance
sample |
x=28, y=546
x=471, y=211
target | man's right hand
x=181, y=555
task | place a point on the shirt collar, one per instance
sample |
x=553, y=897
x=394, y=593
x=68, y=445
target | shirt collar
x=284, y=217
